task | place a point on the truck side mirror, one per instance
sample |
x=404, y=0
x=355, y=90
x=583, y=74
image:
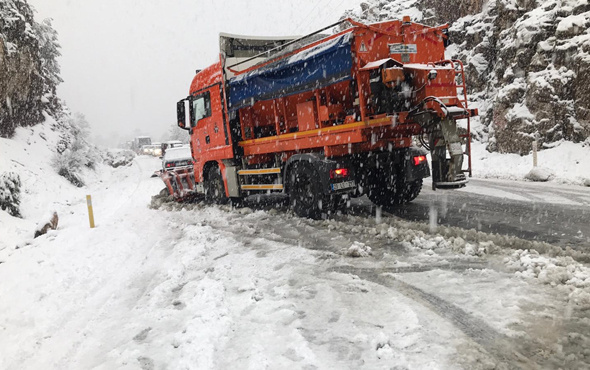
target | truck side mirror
x=446, y=38
x=181, y=115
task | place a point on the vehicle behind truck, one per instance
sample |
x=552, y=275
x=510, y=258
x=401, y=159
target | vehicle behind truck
x=327, y=118
x=139, y=143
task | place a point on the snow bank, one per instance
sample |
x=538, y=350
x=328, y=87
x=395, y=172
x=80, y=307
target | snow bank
x=417, y=236
x=562, y=272
x=567, y=162
x=16, y=232
x=539, y=174
x=358, y=249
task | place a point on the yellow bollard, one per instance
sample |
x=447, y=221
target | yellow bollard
x=90, y=213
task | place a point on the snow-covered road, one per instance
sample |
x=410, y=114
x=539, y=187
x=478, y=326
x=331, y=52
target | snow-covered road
x=210, y=287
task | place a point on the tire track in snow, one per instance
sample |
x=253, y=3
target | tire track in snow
x=505, y=350
x=458, y=267
x=127, y=194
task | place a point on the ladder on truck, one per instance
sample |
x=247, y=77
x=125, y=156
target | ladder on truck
x=246, y=175
x=462, y=96
x=181, y=184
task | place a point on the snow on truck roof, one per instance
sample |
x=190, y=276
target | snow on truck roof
x=379, y=63
x=237, y=49
x=224, y=36
x=246, y=51
x=428, y=66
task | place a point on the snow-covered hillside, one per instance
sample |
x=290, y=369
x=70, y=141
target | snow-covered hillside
x=29, y=70
x=31, y=154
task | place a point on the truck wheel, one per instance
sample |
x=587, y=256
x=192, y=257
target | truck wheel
x=305, y=197
x=214, y=188
x=394, y=195
x=411, y=190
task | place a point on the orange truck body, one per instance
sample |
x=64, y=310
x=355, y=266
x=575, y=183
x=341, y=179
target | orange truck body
x=397, y=86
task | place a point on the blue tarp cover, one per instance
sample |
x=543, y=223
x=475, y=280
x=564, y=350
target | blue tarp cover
x=322, y=65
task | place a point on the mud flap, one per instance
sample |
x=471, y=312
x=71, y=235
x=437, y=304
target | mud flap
x=446, y=172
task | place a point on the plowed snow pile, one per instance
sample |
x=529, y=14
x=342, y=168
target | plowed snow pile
x=561, y=272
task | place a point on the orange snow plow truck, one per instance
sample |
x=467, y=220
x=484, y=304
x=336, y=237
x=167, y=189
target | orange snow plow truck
x=326, y=118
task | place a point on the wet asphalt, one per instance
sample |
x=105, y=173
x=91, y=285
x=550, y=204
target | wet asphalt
x=555, y=214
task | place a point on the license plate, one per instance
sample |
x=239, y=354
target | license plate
x=343, y=185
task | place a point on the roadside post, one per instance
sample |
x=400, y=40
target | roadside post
x=535, y=153
x=90, y=213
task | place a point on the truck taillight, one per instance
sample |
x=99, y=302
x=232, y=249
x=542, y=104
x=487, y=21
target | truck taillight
x=338, y=172
x=168, y=164
x=419, y=160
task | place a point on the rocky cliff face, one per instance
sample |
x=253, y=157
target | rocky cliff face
x=29, y=73
x=527, y=63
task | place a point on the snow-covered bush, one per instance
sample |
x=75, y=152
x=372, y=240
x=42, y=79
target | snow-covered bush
x=74, y=152
x=118, y=158
x=10, y=193
x=67, y=164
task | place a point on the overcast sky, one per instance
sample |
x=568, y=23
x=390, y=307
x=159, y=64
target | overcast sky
x=126, y=63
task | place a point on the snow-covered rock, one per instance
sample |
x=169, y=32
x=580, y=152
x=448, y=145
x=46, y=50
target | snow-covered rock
x=29, y=72
x=539, y=174
x=572, y=25
x=48, y=222
x=358, y=249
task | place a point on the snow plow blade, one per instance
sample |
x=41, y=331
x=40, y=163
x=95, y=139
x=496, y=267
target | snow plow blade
x=180, y=183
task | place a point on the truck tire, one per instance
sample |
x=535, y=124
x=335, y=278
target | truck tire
x=305, y=196
x=395, y=194
x=411, y=190
x=214, y=188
